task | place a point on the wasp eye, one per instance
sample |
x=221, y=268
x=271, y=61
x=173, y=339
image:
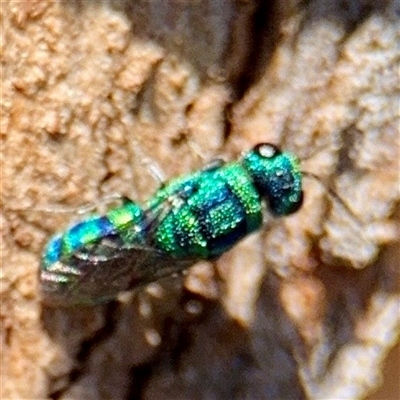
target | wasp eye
x=267, y=150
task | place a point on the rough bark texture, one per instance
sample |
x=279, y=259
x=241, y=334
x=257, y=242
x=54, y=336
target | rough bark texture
x=309, y=307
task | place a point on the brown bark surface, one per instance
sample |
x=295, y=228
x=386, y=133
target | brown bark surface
x=306, y=308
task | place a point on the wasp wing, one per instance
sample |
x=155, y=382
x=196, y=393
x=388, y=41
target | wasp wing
x=97, y=274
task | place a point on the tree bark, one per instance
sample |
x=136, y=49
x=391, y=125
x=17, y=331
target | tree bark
x=306, y=308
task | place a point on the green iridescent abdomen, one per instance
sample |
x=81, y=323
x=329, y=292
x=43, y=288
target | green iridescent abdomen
x=120, y=223
x=208, y=213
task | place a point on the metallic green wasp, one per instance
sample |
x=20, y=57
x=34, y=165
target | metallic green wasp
x=190, y=218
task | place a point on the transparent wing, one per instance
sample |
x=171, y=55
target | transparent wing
x=97, y=273
x=89, y=278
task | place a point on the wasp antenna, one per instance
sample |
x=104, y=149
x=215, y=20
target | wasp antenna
x=334, y=196
x=334, y=145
